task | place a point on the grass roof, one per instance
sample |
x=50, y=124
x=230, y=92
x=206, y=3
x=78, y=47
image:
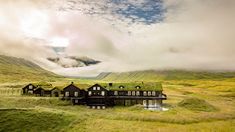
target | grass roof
x=151, y=86
x=119, y=86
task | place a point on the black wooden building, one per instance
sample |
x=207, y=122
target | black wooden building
x=29, y=89
x=75, y=94
x=97, y=97
x=103, y=95
x=41, y=90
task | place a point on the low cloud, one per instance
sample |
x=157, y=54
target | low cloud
x=194, y=35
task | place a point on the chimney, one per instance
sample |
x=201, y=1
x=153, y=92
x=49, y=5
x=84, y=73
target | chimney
x=110, y=84
x=71, y=82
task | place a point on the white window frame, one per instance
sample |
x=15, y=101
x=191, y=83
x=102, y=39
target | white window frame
x=115, y=92
x=137, y=93
x=94, y=88
x=76, y=94
x=89, y=93
x=121, y=87
x=76, y=101
x=145, y=103
x=133, y=93
x=66, y=94
x=98, y=88
x=145, y=93
x=103, y=93
x=153, y=93
x=30, y=87
x=128, y=93
x=149, y=93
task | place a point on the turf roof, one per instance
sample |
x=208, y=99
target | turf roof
x=133, y=86
x=119, y=86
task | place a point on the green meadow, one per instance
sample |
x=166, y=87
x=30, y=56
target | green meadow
x=194, y=105
x=197, y=102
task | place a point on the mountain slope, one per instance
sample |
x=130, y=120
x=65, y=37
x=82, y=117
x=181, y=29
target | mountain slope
x=14, y=69
x=152, y=75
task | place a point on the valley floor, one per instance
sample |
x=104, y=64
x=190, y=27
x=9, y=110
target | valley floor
x=22, y=113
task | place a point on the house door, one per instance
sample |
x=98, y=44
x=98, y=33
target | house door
x=56, y=94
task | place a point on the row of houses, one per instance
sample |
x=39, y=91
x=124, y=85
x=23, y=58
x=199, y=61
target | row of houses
x=102, y=95
x=41, y=90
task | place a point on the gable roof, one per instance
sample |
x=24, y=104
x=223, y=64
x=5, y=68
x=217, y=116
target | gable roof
x=71, y=86
x=39, y=88
x=99, y=85
x=29, y=85
x=151, y=86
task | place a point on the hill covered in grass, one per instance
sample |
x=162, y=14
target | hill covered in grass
x=152, y=75
x=14, y=69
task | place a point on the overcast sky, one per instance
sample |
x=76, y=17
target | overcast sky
x=125, y=35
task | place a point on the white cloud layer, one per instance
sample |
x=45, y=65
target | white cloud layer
x=195, y=35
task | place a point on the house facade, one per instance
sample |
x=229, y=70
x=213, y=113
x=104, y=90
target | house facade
x=75, y=94
x=97, y=97
x=100, y=96
x=28, y=89
x=41, y=90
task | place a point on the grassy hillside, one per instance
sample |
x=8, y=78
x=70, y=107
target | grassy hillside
x=204, y=105
x=14, y=69
x=197, y=101
x=152, y=75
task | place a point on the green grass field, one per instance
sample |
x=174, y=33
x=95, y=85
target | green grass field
x=197, y=102
x=194, y=105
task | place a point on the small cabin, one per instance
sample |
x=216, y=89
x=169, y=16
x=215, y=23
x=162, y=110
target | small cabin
x=47, y=92
x=55, y=92
x=29, y=89
x=39, y=92
x=72, y=91
x=97, y=97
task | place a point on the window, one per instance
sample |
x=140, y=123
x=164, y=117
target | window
x=149, y=93
x=137, y=87
x=75, y=94
x=133, y=93
x=66, y=94
x=98, y=88
x=144, y=102
x=138, y=93
x=121, y=87
x=76, y=101
x=30, y=87
x=145, y=93
x=153, y=93
x=30, y=92
x=102, y=93
x=129, y=93
x=94, y=88
x=115, y=92
x=89, y=93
